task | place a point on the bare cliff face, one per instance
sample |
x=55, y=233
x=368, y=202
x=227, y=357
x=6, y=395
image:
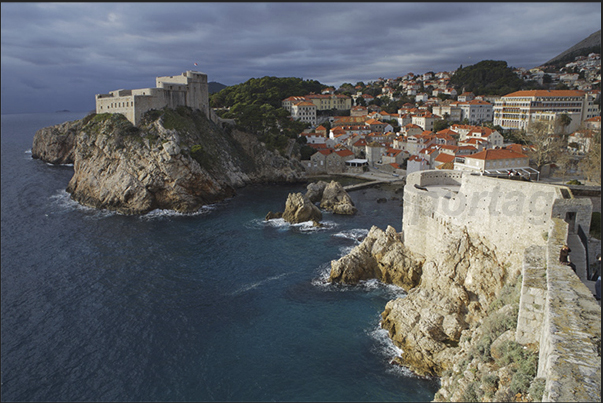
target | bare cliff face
x=175, y=159
x=56, y=144
x=446, y=294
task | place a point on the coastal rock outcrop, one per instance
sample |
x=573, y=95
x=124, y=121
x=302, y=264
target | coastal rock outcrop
x=446, y=294
x=315, y=190
x=175, y=159
x=331, y=197
x=336, y=199
x=56, y=144
x=299, y=209
x=381, y=255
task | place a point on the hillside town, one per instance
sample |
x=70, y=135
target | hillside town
x=366, y=138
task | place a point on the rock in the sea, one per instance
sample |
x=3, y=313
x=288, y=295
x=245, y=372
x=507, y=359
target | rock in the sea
x=272, y=216
x=299, y=209
x=456, y=287
x=336, y=199
x=315, y=190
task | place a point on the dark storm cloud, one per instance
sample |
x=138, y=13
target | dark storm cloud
x=58, y=55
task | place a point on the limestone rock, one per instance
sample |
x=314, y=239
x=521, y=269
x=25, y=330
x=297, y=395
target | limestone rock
x=315, y=190
x=134, y=170
x=272, y=216
x=299, y=209
x=381, y=255
x=56, y=144
x=331, y=196
x=446, y=294
x=336, y=199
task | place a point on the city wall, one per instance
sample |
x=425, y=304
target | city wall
x=526, y=224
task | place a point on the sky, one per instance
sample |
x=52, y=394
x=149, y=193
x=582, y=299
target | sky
x=57, y=56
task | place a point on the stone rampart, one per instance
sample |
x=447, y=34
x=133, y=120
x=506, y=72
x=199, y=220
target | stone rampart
x=509, y=215
x=526, y=224
x=570, y=336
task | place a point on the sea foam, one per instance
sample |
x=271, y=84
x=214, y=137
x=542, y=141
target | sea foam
x=385, y=348
x=167, y=213
x=282, y=225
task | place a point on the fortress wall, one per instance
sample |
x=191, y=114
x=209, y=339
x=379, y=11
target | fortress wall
x=116, y=102
x=197, y=91
x=508, y=215
x=569, y=357
x=532, y=301
x=526, y=223
x=435, y=177
x=187, y=89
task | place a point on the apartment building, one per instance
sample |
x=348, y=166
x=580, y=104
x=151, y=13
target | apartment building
x=475, y=111
x=304, y=111
x=515, y=110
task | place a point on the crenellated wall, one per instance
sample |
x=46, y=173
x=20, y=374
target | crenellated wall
x=526, y=224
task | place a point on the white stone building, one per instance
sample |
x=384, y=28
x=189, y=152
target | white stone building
x=475, y=111
x=304, y=111
x=514, y=111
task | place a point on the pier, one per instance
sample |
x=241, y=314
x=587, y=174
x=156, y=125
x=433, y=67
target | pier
x=364, y=185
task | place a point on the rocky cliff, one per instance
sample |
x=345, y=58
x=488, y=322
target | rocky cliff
x=457, y=321
x=175, y=159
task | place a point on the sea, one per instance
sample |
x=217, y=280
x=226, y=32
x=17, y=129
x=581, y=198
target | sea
x=219, y=305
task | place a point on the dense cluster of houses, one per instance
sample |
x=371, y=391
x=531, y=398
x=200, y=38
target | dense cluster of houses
x=367, y=138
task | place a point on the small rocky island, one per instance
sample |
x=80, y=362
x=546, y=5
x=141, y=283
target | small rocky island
x=173, y=159
x=302, y=208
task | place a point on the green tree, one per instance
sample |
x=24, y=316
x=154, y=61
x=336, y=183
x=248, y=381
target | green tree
x=489, y=77
x=440, y=124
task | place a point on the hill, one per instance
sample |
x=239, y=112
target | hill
x=592, y=44
x=214, y=87
x=265, y=90
x=489, y=77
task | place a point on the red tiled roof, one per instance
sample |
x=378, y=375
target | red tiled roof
x=545, y=93
x=448, y=131
x=444, y=157
x=496, y=154
x=344, y=153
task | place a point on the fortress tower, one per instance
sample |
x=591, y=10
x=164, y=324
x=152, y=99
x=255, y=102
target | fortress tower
x=187, y=89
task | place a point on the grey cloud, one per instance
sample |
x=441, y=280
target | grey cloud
x=98, y=47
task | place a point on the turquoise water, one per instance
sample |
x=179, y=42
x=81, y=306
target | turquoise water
x=216, y=306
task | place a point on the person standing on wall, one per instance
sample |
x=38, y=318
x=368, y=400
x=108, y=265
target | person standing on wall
x=564, y=257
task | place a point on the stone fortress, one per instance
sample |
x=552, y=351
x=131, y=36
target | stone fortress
x=188, y=89
x=526, y=223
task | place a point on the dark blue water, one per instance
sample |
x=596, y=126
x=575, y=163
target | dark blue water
x=216, y=306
